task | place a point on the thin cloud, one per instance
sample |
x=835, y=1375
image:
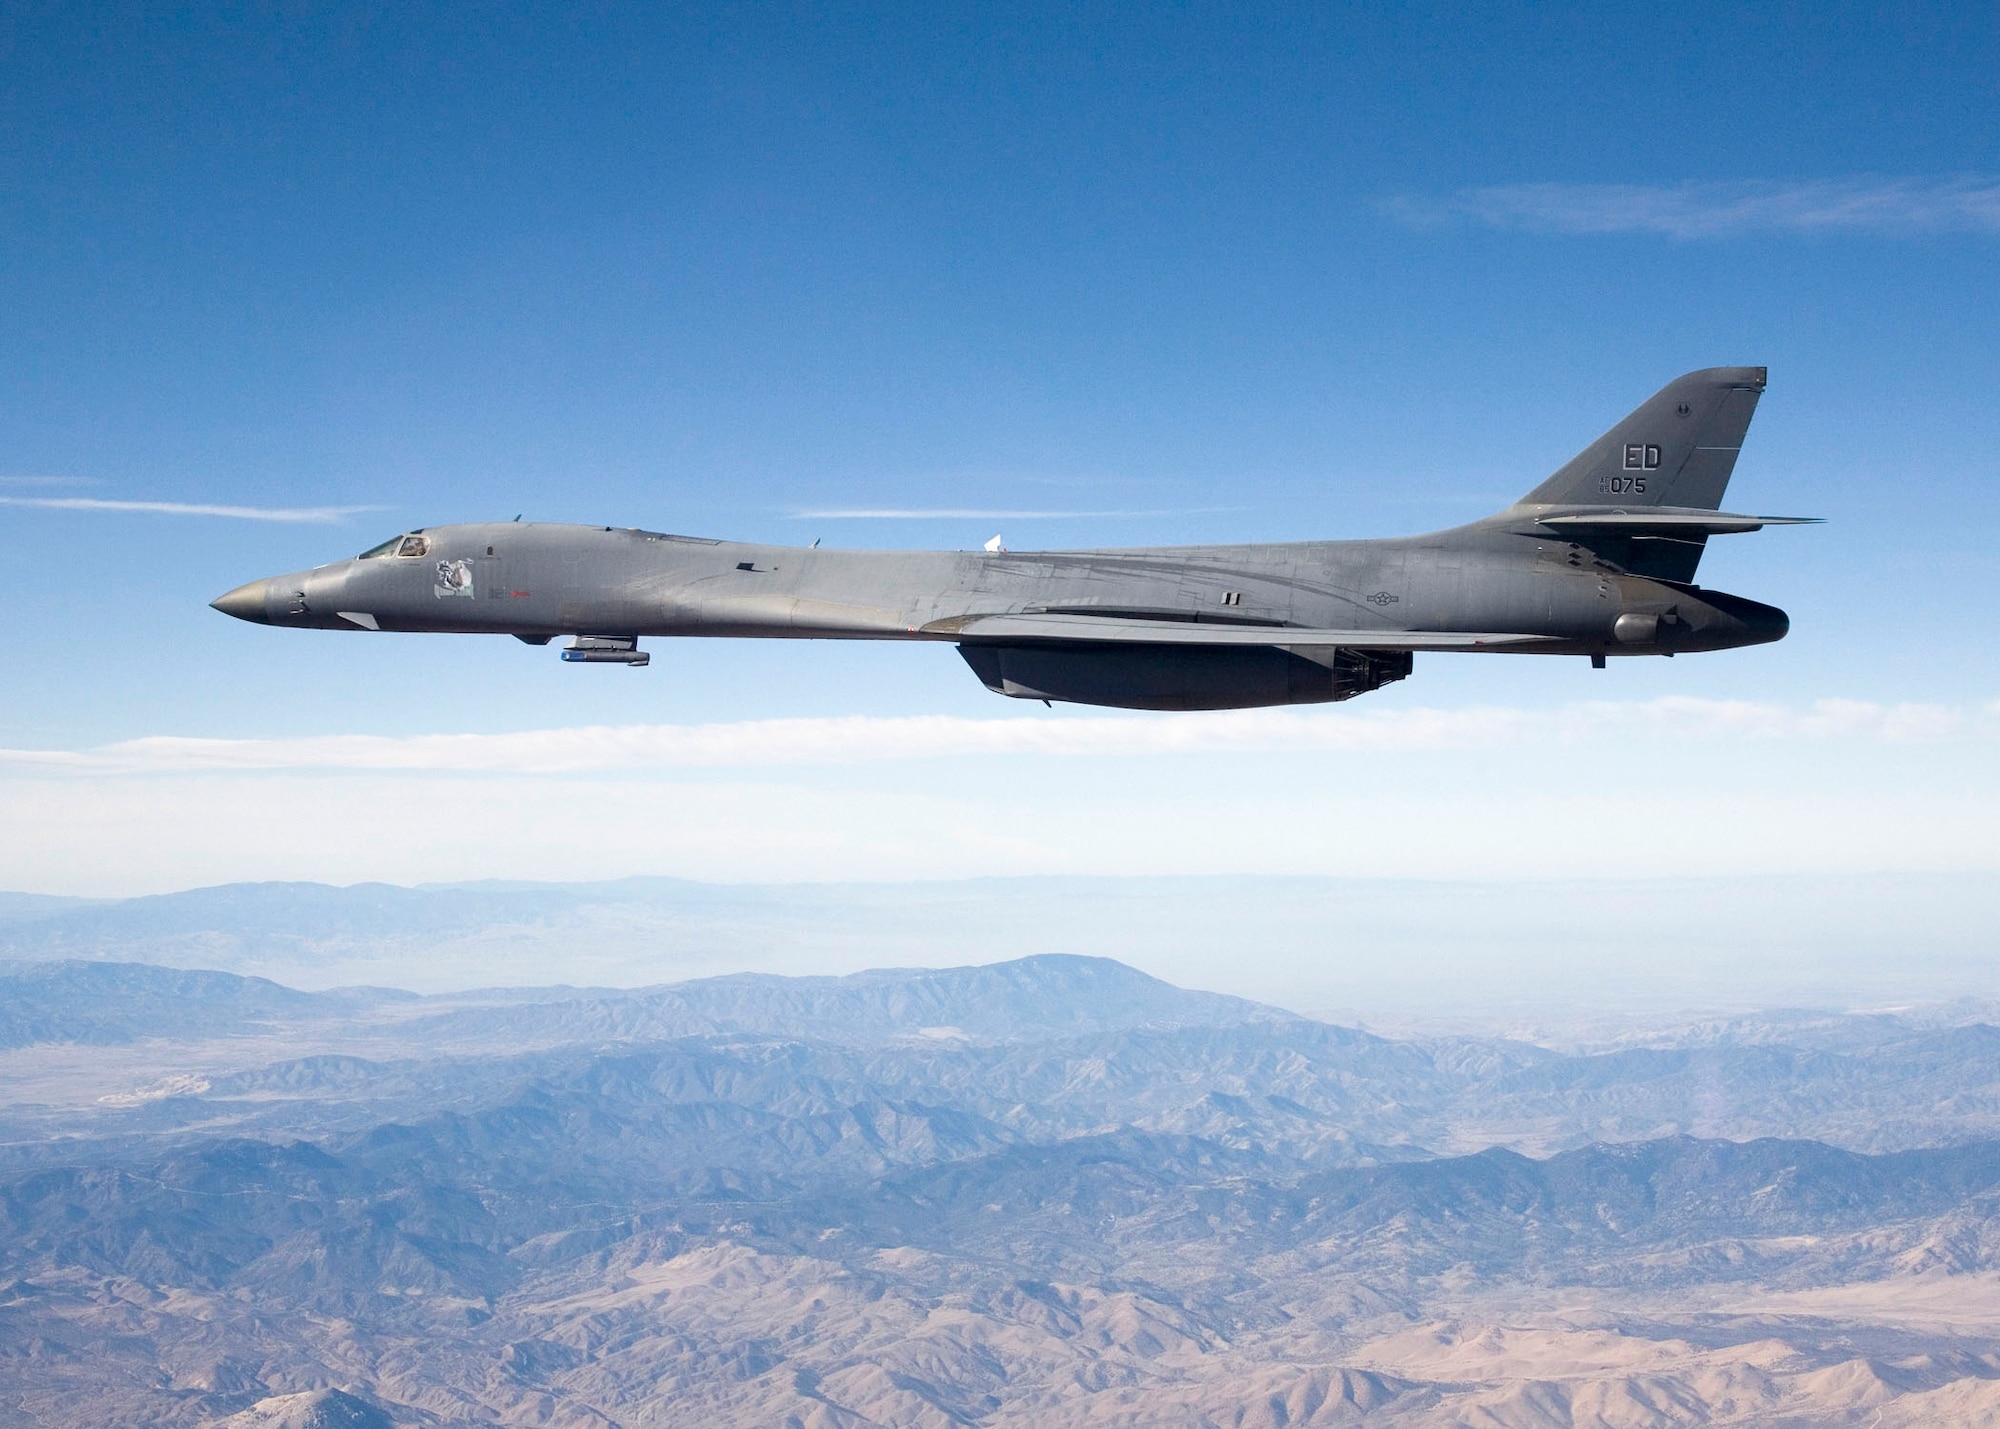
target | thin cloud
x=46, y=481
x=318, y=514
x=874, y=740
x=902, y=513
x=1870, y=205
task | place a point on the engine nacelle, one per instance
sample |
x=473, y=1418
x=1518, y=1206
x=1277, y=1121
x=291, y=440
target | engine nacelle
x=1181, y=677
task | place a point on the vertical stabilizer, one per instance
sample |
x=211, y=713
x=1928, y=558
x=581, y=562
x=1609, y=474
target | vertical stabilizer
x=1677, y=449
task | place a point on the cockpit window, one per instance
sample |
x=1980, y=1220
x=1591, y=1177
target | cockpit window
x=414, y=543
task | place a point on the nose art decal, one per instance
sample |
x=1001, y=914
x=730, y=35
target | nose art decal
x=453, y=578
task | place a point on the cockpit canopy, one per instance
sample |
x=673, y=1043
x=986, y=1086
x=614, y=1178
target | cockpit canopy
x=414, y=543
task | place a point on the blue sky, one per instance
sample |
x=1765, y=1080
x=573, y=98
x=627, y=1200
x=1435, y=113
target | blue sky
x=1209, y=274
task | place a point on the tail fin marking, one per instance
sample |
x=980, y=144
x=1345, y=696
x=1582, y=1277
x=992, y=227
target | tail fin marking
x=1677, y=448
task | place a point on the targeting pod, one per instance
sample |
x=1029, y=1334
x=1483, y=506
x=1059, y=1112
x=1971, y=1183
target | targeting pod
x=606, y=650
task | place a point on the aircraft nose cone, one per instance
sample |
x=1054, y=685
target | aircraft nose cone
x=246, y=602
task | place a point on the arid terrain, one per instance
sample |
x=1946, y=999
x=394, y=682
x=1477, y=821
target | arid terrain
x=1049, y=1192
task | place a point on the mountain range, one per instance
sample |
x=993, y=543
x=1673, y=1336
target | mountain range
x=1046, y=1191
x=1497, y=956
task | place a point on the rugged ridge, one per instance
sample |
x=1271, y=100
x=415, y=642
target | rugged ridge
x=1051, y=1191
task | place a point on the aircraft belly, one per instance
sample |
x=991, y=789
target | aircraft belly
x=1179, y=677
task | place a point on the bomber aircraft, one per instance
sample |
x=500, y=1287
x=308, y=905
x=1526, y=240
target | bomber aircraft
x=1598, y=560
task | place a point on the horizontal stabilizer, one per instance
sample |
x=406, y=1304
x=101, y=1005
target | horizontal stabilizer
x=1164, y=632
x=1672, y=521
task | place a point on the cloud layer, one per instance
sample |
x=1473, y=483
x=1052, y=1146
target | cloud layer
x=1652, y=788
x=856, y=740
x=1887, y=206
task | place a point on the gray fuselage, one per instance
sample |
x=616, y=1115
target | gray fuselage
x=537, y=580
x=1598, y=560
